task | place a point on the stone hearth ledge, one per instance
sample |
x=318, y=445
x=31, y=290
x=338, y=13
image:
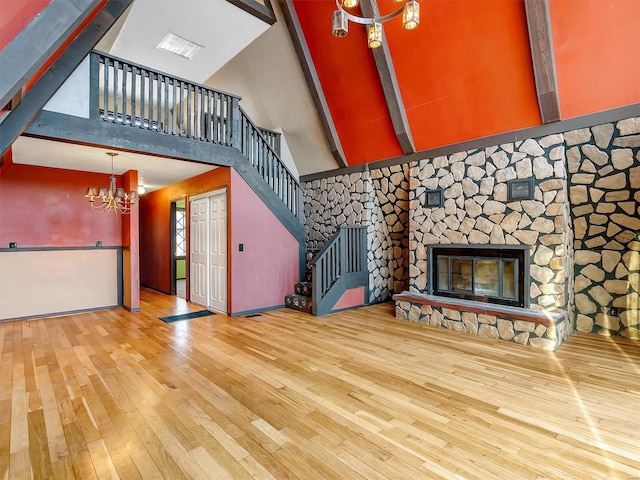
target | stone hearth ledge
x=538, y=328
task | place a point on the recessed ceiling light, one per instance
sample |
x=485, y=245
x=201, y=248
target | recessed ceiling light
x=178, y=45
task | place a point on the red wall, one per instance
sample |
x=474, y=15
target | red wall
x=268, y=268
x=464, y=73
x=597, y=50
x=46, y=207
x=16, y=14
x=155, y=225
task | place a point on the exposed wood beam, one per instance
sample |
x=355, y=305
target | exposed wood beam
x=263, y=12
x=389, y=81
x=544, y=65
x=35, y=44
x=48, y=84
x=313, y=82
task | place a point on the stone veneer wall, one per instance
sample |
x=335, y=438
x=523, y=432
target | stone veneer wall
x=376, y=198
x=476, y=212
x=604, y=183
x=597, y=202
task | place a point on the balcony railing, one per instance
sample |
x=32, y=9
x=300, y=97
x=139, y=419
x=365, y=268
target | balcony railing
x=140, y=97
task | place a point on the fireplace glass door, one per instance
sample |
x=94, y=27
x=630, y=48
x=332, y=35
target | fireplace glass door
x=484, y=277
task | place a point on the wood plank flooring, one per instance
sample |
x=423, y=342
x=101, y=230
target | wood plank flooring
x=354, y=395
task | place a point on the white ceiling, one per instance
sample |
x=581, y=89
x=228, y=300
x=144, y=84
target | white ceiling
x=221, y=28
x=153, y=172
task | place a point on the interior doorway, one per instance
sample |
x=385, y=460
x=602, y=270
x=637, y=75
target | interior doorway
x=208, y=250
x=179, y=248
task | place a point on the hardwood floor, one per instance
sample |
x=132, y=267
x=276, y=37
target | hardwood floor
x=354, y=395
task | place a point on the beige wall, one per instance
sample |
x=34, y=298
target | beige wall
x=35, y=283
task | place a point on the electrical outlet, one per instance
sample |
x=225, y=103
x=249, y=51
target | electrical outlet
x=99, y=243
x=241, y=247
x=13, y=244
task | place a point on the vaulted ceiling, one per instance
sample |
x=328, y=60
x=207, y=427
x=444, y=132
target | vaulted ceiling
x=469, y=70
x=472, y=69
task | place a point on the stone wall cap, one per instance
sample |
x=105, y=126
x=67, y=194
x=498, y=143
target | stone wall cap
x=516, y=313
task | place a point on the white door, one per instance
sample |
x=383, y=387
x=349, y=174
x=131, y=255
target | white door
x=208, y=265
x=218, y=252
x=198, y=254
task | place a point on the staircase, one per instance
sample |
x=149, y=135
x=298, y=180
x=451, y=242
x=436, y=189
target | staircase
x=302, y=299
x=340, y=265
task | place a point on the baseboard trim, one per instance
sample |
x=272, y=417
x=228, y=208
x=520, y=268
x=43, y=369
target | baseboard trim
x=59, y=314
x=257, y=310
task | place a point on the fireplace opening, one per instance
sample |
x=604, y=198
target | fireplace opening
x=494, y=274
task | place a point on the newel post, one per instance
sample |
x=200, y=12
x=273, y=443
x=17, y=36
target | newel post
x=236, y=129
x=94, y=86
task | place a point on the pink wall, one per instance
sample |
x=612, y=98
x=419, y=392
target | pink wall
x=268, y=268
x=45, y=207
x=354, y=297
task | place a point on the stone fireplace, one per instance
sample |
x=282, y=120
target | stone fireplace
x=485, y=259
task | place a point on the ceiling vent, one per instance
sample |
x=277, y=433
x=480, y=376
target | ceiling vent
x=178, y=45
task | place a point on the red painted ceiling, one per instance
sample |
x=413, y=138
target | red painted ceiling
x=466, y=71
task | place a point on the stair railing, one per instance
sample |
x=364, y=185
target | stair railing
x=261, y=154
x=342, y=262
x=130, y=94
x=272, y=138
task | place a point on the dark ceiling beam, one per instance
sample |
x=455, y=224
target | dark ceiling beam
x=313, y=82
x=48, y=84
x=544, y=64
x=263, y=12
x=35, y=44
x=389, y=81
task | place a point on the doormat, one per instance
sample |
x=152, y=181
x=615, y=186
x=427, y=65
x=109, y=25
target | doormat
x=187, y=316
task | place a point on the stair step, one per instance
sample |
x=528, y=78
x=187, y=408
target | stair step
x=298, y=302
x=304, y=288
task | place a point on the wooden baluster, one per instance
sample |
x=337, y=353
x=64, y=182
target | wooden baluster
x=124, y=94
x=201, y=117
x=215, y=134
x=105, y=88
x=167, y=110
x=116, y=67
x=133, y=96
x=161, y=124
x=189, y=131
x=180, y=105
x=151, y=110
x=158, y=103
x=144, y=118
x=209, y=130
